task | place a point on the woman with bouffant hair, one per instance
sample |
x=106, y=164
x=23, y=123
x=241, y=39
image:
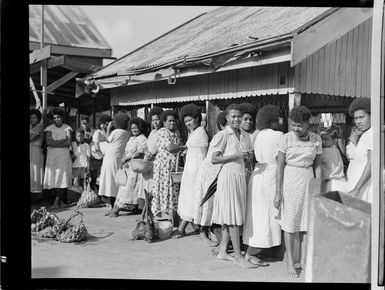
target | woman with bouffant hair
x=261, y=229
x=117, y=140
x=359, y=152
x=299, y=152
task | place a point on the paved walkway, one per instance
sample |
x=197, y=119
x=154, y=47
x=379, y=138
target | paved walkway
x=108, y=253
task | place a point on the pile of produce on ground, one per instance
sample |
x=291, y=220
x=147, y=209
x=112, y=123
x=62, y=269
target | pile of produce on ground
x=49, y=226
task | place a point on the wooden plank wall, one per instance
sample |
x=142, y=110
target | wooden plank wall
x=255, y=81
x=342, y=68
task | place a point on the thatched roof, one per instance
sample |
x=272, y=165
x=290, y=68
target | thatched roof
x=212, y=32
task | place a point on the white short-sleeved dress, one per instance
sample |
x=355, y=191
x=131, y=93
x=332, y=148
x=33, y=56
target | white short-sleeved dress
x=130, y=192
x=261, y=229
x=58, y=168
x=207, y=173
x=111, y=162
x=230, y=198
x=358, y=158
x=197, y=144
x=298, y=172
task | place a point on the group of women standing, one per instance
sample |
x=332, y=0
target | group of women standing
x=262, y=175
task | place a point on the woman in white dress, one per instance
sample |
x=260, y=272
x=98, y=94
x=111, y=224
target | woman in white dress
x=359, y=183
x=36, y=157
x=58, y=168
x=229, y=208
x=207, y=174
x=98, y=146
x=131, y=195
x=261, y=229
x=197, y=144
x=117, y=140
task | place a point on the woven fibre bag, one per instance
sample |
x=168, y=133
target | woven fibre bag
x=73, y=233
x=88, y=198
x=176, y=175
x=121, y=176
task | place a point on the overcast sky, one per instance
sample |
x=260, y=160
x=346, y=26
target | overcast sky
x=128, y=27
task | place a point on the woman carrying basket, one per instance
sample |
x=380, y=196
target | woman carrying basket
x=164, y=190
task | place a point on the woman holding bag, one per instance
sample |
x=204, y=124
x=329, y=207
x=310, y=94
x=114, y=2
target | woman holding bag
x=130, y=193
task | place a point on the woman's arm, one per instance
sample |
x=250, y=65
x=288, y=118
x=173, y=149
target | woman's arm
x=33, y=135
x=217, y=158
x=364, y=177
x=316, y=165
x=281, y=158
x=109, y=129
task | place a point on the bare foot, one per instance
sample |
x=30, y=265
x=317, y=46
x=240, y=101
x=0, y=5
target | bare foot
x=177, y=234
x=214, y=251
x=256, y=261
x=207, y=241
x=292, y=272
x=224, y=256
x=55, y=204
x=114, y=213
x=241, y=261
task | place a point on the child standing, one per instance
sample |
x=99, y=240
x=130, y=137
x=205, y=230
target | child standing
x=331, y=163
x=82, y=154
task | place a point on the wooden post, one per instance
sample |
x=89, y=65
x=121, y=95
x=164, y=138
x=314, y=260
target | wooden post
x=43, y=71
x=94, y=112
x=294, y=101
x=378, y=148
x=78, y=115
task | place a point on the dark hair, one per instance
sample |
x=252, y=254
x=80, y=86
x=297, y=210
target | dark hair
x=104, y=119
x=247, y=108
x=362, y=103
x=300, y=114
x=35, y=112
x=57, y=111
x=85, y=118
x=232, y=107
x=139, y=122
x=155, y=111
x=121, y=121
x=221, y=120
x=80, y=130
x=165, y=114
x=191, y=110
x=267, y=116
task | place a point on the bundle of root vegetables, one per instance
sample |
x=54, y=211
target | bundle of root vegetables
x=49, y=226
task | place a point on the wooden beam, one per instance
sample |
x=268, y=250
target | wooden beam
x=78, y=66
x=37, y=99
x=326, y=31
x=61, y=81
x=79, y=51
x=40, y=54
x=52, y=62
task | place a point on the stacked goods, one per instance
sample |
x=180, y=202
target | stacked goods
x=41, y=219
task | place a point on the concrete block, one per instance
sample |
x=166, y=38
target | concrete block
x=338, y=239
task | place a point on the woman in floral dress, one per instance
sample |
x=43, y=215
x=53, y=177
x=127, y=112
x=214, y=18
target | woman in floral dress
x=164, y=191
x=299, y=153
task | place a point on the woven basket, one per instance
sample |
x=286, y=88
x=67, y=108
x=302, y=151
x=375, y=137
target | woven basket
x=164, y=228
x=140, y=165
x=88, y=198
x=73, y=233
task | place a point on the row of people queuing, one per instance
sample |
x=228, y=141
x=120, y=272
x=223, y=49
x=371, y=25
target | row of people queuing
x=262, y=174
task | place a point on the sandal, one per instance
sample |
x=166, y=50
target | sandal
x=177, y=234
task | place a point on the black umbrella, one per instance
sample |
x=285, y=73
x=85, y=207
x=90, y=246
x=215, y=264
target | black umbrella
x=210, y=191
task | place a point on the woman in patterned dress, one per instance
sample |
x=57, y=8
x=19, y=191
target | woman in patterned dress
x=58, y=168
x=164, y=191
x=207, y=173
x=130, y=194
x=36, y=157
x=197, y=144
x=229, y=208
x=299, y=153
x=117, y=140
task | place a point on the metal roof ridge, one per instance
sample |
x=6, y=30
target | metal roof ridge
x=136, y=49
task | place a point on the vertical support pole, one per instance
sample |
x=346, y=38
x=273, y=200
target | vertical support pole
x=94, y=112
x=294, y=101
x=78, y=115
x=43, y=71
x=375, y=95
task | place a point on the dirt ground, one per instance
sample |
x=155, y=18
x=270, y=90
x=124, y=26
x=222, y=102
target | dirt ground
x=109, y=253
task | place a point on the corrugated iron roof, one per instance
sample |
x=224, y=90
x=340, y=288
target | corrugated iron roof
x=65, y=25
x=215, y=31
